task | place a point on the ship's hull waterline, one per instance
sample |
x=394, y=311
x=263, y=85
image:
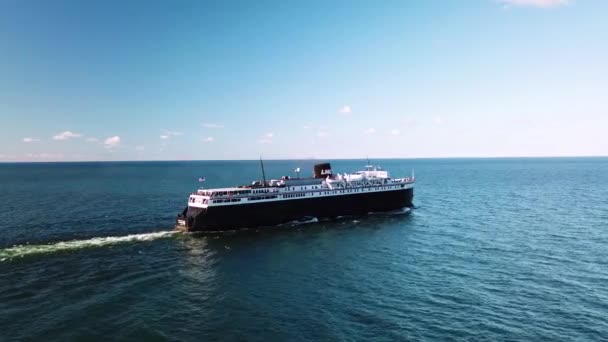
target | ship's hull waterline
x=266, y=214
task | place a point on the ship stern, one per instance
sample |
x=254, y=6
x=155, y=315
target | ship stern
x=191, y=219
x=181, y=221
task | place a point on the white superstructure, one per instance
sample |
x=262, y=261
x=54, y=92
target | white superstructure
x=373, y=179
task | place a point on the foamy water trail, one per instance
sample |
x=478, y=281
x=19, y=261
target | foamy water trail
x=394, y=212
x=300, y=222
x=25, y=250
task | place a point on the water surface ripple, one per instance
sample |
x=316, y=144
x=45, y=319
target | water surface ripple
x=498, y=249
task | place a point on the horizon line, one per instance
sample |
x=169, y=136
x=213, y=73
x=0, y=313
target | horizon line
x=306, y=159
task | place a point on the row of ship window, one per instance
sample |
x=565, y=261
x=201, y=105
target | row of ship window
x=339, y=191
x=244, y=192
x=261, y=191
x=261, y=198
x=304, y=187
x=226, y=200
x=239, y=192
x=230, y=193
x=293, y=195
x=289, y=195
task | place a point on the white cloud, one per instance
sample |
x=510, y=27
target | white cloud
x=172, y=133
x=66, y=135
x=438, y=121
x=208, y=139
x=92, y=140
x=345, y=110
x=322, y=134
x=305, y=127
x=534, y=3
x=266, y=138
x=44, y=156
x=167, y=134
x=213, y=125
x=395, y=132
x=29, y=140
x=369, y=131
x=140, y=148
x=112, y=141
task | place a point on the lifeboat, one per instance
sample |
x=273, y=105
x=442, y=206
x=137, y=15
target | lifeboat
x=334, y=183
x=356, y=177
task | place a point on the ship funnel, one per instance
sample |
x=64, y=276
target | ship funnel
x=322, y=170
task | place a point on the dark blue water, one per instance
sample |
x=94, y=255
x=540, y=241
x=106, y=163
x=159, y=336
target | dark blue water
x=499, y=249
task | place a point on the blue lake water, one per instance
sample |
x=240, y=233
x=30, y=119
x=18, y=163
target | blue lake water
x=498, y=249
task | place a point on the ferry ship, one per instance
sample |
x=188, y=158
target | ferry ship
x=269, y=203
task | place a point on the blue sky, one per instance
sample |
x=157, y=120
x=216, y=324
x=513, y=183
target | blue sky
x=161, y=80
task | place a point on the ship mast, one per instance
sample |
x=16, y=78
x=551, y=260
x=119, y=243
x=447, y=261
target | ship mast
x=263, y=174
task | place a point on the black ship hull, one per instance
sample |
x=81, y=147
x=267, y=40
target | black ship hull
x=253, y=215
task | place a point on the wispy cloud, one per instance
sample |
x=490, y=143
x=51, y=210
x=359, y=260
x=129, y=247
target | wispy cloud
x=66, y=135
x=305, y=127
x=29, y=140
x=369, y=131
x=167, y=134
x=208, y=139
x=322, y=134
x=438, y=121
x=112, y=141
x=534, y=3
x=266, y=138
x=395, y=132
x=140, y=148
x=345, y=110
x=92, y=140
x=44, y=156
x=213, y=125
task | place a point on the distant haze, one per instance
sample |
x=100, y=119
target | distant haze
x=161, y=80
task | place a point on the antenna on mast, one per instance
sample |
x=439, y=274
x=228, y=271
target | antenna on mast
x=263, y=174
